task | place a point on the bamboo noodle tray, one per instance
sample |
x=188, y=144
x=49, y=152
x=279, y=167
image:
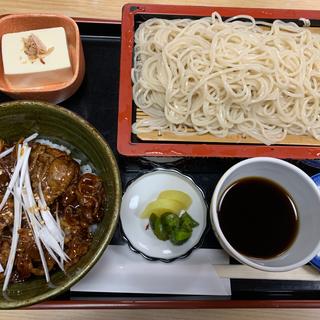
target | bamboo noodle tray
x=209, y=138
x=168, y=144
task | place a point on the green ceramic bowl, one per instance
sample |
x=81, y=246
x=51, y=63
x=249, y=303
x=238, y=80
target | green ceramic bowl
x=22, y=118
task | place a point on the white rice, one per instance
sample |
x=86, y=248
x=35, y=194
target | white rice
x=93, y=228
x=86, y=168
x=54, y=145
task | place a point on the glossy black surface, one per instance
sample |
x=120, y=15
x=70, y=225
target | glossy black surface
x=258, y=217
x=97, y=101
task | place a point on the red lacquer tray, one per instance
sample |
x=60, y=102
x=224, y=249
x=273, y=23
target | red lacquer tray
x=128, y=144
x=97, y=101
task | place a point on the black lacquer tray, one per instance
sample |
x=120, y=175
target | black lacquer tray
x=97, y=101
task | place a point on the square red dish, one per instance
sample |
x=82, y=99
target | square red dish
x=130, y=145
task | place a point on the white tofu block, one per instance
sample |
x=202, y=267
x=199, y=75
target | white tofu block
x=21, y=72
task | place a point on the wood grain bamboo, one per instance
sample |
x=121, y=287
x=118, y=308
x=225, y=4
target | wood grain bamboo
x=152, y=314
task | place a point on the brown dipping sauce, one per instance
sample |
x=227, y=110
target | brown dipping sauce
x=258, y=217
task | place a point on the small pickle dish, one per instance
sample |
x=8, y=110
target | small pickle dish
x=163, y=215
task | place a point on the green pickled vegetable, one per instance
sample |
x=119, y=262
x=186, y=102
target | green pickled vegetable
x=158, y=227
x=170, y=221
x=187, y=222
x=180, y=236
x=169, y=226
x=152, y=220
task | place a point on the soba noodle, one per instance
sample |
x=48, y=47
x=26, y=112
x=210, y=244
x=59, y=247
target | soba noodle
x=237, y=76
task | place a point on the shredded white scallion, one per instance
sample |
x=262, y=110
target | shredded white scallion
x=54, y=234
x=23, y=157
x=6, y=152
x=30, y=138
x=26, y=140
x=46, y=230
x=59, y=225
x=14, y=177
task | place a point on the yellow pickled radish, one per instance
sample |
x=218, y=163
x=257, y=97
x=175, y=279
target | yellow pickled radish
x=161, y=206
x=176, y=195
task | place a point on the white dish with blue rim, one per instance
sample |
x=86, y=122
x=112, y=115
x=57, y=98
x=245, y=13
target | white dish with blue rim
x=316, y=260
x=142, y=191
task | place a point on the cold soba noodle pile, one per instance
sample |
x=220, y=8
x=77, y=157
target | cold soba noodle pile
x=227, y=77
x=48, y=207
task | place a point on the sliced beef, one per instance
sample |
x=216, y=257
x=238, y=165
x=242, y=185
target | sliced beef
x=76, y=199
x=54, y=169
